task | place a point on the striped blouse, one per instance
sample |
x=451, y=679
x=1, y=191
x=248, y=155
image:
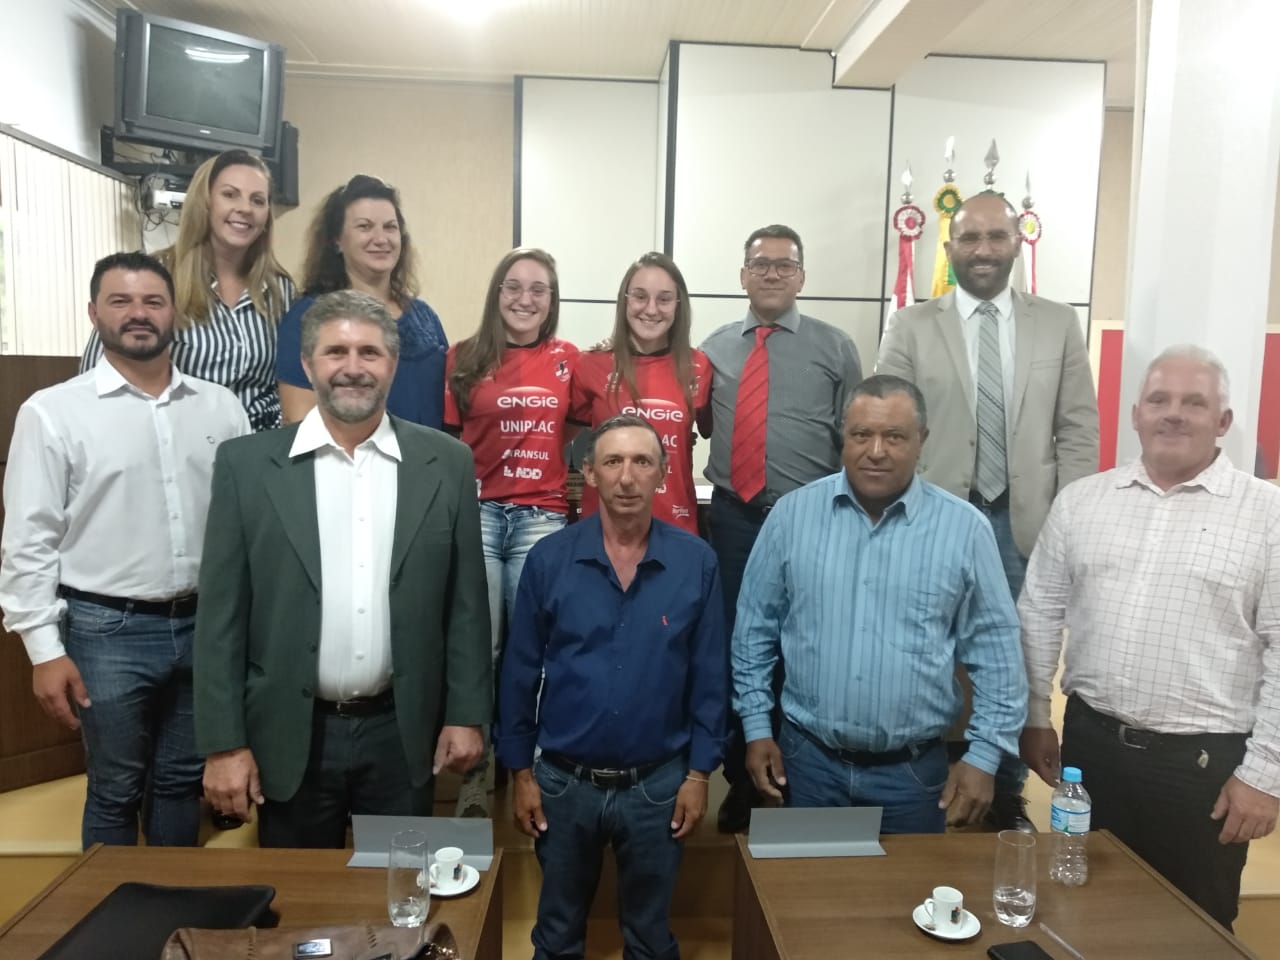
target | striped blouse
x=236, y=348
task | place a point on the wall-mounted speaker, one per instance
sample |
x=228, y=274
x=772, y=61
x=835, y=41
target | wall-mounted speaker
x=283, y=164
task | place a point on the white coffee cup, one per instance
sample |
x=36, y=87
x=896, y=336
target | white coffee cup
x=446, y=872
x=946, y=909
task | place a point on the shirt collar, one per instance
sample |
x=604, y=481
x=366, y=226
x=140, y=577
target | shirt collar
x=908, y=502
x=590, y=544
x=789, y=321
x=966, y=302
x=108, y=380
x=313, y=435
x=1215, y=479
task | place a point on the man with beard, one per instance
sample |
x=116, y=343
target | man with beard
x=105, y=494
x=1006, y=378
x=342, y=647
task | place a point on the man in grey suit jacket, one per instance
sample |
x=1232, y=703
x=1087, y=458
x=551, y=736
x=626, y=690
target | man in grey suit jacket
x=342, y=649
x=1012, y=406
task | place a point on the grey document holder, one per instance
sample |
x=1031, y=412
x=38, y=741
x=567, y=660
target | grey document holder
x=373, y=838
x=815, y=832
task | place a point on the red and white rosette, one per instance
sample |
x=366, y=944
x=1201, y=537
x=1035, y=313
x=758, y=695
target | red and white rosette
x=1029, y=227
x=908, y=220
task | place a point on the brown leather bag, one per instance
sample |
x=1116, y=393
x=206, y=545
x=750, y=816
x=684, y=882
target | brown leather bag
x=432, y=942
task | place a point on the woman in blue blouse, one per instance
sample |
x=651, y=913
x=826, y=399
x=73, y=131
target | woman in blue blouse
x=358, y=241
x=230, y=290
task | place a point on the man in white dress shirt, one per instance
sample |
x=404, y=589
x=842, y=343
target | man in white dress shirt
x=105, y=494
x=342, y=647
x=1166, y=573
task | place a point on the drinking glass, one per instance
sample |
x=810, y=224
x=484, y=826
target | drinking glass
x=408, y=886
x=1014, y=895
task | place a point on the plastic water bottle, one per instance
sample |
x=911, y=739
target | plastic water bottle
x=1069, y=820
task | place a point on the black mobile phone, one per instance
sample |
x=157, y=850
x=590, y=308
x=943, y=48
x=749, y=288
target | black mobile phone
x=1018, y=950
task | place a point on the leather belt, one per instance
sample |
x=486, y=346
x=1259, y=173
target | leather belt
x=999, y=503
x=1140, y=738
x=603, y=777
x=757, y=512
x=358, y=706
x=870, y=758
x=175, y=609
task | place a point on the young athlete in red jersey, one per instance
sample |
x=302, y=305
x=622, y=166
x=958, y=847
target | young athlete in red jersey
x=507, y=395
x=654, y=373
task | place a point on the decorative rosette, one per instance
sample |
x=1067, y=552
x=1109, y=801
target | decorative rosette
x=947, y=200
x=1029, y=224
x=908, y=220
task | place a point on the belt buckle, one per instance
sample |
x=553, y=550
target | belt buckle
x=607, y=777
x=340, y=707
x=1123, y=732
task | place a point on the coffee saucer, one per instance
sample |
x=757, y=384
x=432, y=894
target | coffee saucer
x=969, y=925
x=470, y=877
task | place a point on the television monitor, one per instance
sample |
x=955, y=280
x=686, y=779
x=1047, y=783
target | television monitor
x=180, y=84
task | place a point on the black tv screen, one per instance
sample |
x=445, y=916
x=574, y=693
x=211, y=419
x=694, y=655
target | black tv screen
x=181, y=84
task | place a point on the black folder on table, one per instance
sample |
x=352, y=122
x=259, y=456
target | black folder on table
x=135, y=919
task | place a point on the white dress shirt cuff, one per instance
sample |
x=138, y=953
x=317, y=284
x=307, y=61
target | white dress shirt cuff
x=44, y=643
x=1039, y=713
x=1259, y=773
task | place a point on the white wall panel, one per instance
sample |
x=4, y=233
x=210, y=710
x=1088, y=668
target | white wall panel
x=763, y=138
x=588, y=178
x=1046, y=118
x=57, y=218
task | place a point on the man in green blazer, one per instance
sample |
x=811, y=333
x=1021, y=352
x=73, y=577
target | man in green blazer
x=342, y=643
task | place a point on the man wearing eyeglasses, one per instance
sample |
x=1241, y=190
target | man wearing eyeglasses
x=780, y=383
x=1006, y=378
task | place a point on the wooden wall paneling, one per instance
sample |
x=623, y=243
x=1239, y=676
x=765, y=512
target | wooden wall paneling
x=33, y=748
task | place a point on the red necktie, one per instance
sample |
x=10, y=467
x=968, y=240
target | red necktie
x=750, y=418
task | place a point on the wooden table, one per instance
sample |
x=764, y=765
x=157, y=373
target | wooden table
x=313, y=888
x=817, y=909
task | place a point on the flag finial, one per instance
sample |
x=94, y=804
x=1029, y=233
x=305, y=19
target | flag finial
x=991, y=159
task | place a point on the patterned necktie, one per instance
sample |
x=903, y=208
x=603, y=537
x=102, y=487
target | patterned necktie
x=992, y=460
x=750, y=417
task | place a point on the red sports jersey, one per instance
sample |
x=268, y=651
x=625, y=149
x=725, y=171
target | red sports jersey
x=662, y=403
x=515, y=426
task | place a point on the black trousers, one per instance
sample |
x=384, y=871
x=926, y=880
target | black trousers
x=1157, y=799
x=732, y=528
x=356, y=765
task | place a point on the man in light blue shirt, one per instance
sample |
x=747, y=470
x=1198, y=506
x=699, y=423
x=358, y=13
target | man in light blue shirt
x=870, y=585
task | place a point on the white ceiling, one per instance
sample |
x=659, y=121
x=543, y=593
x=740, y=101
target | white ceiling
x=629, y=38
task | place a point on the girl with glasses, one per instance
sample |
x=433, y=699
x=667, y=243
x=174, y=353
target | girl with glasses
x=652, y=371
x=507, y=397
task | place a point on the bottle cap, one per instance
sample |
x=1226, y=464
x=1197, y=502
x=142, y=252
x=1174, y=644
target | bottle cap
x=1071, y=774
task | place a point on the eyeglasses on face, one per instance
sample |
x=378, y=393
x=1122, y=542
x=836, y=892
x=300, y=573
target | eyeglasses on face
x=666, y=300
x=514, y=290
x=969, y=240
x=760, y=267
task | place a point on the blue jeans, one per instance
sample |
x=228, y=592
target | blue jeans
x=509, y=532
x=908, y=791
x=1012, y=772
x=581, y=821
x=139, y=735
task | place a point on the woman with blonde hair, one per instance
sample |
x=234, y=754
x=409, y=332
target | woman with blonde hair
x=507, y=397
x=651, y=371
x=230, y=291
x=358, y=240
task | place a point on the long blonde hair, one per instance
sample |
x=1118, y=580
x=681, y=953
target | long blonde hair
x=190, y=259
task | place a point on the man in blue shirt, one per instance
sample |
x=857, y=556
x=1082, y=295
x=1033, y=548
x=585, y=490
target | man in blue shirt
x=623, y=615
x=870, y=585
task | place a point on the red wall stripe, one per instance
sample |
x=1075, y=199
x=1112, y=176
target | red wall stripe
x=1112, y=350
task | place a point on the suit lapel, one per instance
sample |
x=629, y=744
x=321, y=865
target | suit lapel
x=417, y=486
x=952, y=334
x=1024, y=334
x=291, y=486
